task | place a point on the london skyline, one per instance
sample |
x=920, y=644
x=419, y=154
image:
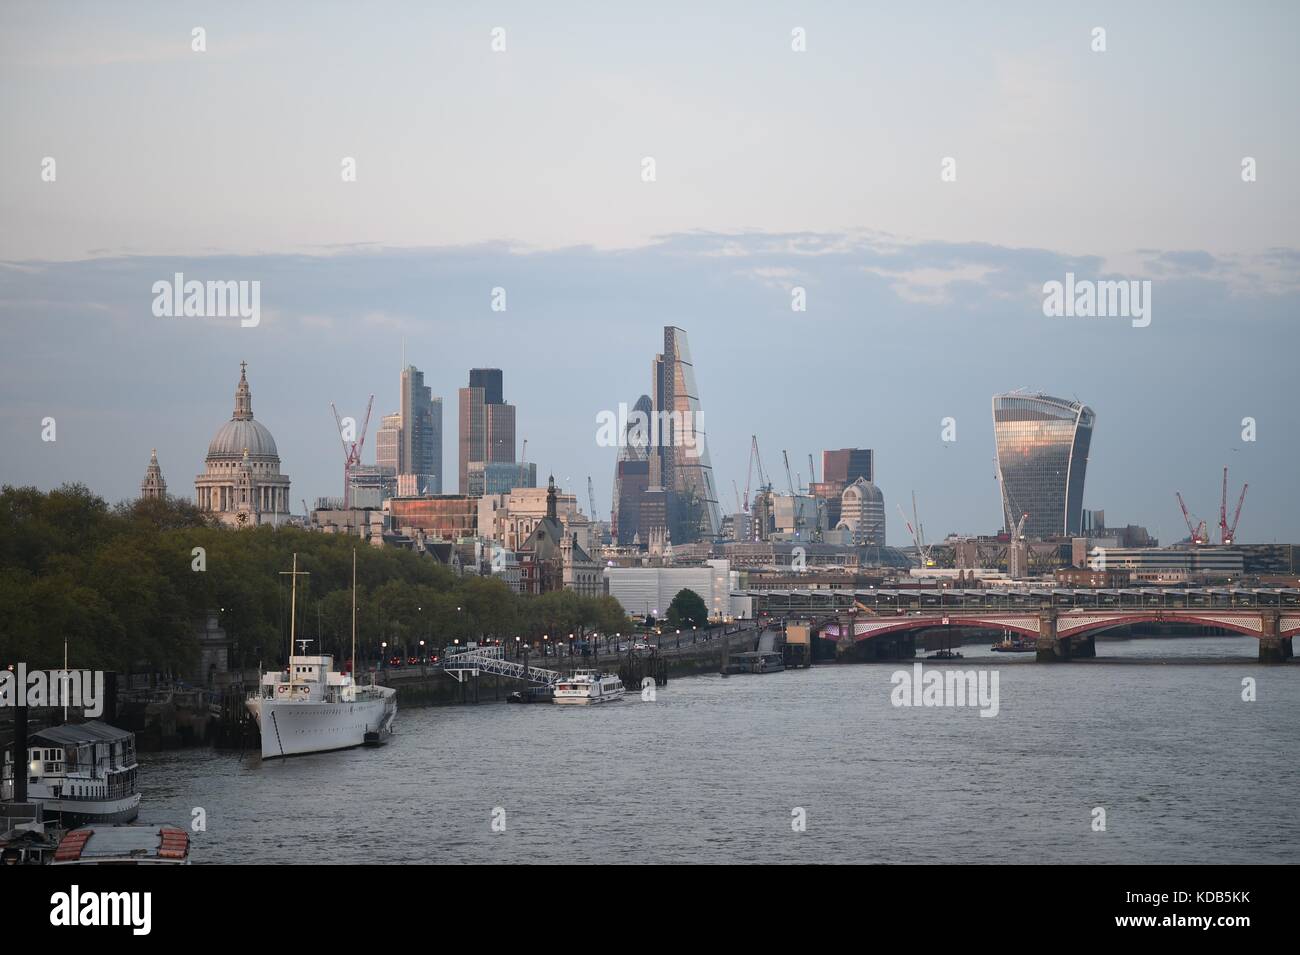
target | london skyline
x=923, y=295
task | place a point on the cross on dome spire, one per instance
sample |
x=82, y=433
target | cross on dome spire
x=243, y=396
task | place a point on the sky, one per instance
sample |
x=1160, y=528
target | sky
x=774, y=169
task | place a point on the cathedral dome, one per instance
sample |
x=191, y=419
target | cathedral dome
x=235, y=435
x=241, y=432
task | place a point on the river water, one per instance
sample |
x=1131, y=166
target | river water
x=1154, y=732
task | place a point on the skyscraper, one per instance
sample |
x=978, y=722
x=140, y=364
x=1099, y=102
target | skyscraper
x=685, y=471
x=1042, y=448
x=490, y=380
x=632, y=479
x=487, y=423
x=846, y=465
x=388, y=444
x=421, y=440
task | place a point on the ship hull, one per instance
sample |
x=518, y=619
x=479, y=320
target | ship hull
x=295, y=729
x=83, y=812
x=586, y=700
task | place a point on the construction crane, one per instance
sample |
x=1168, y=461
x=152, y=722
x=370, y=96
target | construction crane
x=918, y=533
x=1228, y=532
x=1198, y=533
x=753, y=456
x=788, y=480
x=523, y=454
x=591, y=496
x=735, y=488
x=351, y=450
x=812, y=473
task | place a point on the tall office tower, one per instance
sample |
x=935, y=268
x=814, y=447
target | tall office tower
x=840, y=469
x=1042, y=446
x=487, y=427
x=683, y=451
x=846, y=465
x=388, y=444
x=421, y=432
x=632, y=476
x=489, y=379
x=862, y=513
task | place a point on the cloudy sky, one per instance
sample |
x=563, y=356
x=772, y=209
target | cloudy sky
x=774, y=168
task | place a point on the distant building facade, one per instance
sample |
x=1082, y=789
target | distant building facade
x=487, y=423
x=1042, y=455
x=862, y=513
x=421, y=431
x=448, y=517
x=241, y=485
x=500, y=477
x=153, y=487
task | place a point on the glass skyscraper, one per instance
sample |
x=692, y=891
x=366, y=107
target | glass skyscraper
x=685, y=470
x=421, y=434
x=1042, y=445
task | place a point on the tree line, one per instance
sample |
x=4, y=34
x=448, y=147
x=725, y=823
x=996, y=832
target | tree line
x=127, y=585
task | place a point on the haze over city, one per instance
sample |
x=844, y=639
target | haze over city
x=821, y=170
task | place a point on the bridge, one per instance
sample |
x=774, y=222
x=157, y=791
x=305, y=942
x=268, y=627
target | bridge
x=1062, y=622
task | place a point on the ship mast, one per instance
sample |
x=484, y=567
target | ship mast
x=352, y=662
x=293, y=614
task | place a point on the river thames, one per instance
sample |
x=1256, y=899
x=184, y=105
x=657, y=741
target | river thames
x=1154, y=732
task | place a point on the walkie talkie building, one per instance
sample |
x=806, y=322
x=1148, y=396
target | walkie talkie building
x=1042, y=445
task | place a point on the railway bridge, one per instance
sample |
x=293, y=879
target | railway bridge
x=1063, y=623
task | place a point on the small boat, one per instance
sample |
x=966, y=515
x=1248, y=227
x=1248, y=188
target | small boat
x=587, y=687
x=378, y=737
x=945, y=655
x=1014, y=644
x=124, y=845
x=533, y=694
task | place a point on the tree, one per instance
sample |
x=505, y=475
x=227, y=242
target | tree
x=687, y=610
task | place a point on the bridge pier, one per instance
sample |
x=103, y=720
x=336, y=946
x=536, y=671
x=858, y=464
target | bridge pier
x=1051, y=649
x=1273, y=647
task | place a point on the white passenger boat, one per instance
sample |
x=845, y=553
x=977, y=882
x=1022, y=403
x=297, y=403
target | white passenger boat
x=587, y=687
x=79, y=773
x=312, y=708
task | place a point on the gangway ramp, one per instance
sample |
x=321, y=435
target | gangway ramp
x=467, y=663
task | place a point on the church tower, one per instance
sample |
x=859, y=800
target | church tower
x=153, y=487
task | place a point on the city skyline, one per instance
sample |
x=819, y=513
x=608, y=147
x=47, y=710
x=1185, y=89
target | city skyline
x=888, y=292
x=1169, y=529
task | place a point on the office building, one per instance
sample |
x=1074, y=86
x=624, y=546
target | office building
x=1042, y=455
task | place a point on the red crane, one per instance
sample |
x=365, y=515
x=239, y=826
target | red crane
x=1228, y=532
x=351, y=450
x=1198, y=533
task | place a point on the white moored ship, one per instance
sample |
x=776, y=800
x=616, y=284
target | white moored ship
x=586, y=687
x=312, y=708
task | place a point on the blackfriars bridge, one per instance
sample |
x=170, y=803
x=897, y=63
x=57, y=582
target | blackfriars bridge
x=1062, y=622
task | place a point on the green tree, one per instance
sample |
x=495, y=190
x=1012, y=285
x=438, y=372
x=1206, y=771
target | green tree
x=687, y=610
